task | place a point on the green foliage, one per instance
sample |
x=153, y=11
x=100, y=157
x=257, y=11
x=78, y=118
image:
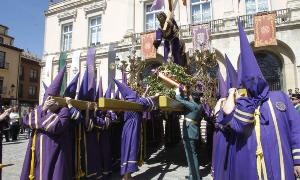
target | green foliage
x=173, y=71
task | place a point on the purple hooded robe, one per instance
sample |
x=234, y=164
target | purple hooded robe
x=131, y=129
x=266, y=123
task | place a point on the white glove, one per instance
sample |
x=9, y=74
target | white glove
x=177, y=91
x=68, y=101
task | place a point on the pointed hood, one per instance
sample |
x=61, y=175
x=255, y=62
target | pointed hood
x=250, y=74
x=86, y=93
x=72, y=87
x=108, y=91
x=100, y=90
x=55, y=86
x=222, y=90
x=126, y=92
x=231, y=74
x=45, y=86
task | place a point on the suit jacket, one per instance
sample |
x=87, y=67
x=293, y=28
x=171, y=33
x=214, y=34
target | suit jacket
x=193, y=111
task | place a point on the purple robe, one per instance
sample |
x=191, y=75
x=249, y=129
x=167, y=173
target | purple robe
x=74, y=122
x=104, y=140
x=52, y=145
x=90, y=148
x=131, y=136
x=281, y=149
x=223, y=157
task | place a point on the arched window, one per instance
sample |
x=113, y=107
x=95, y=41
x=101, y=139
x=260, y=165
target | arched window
x=271, y=68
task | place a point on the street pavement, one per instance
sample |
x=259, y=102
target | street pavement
x=164, y=164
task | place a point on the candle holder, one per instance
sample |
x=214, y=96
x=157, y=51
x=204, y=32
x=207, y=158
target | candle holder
x=203, y=65
x=133, y=67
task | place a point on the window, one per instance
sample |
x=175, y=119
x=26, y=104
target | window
x=254, y=6
x=201, y=11
x=67, y=36
x=33, y=75
x=1, y=40
x=1, y=85
x=32, y=91
x=151, y=22
x=95, y=30
x=2, y=59
x=21, y=90
x=21, y=75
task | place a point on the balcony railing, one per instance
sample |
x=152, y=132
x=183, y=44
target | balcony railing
x=221, y=25
x=282, y=16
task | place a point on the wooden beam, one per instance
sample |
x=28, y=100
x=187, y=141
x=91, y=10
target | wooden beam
x=78, y=104
x=119, y=105
x=168, y=104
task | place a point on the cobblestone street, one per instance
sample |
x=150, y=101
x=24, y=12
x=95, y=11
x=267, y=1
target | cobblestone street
x=167, y=164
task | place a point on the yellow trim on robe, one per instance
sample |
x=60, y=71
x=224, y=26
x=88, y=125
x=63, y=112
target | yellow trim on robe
x=282, y=169
x=296, y=157
x=32, y=161
x=296, y=151
x=244, y=113
x=243, y=119
x=50, y=124
x=128, y=163
x=41, y=157
x=260, y=160
x=48, y=119
x=29, y=120
x=36, y=117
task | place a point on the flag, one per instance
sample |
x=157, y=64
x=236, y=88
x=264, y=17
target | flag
x=147, y=47
x=201, y=35
x=157, y=5
x=62, y=63
x=265, y=30
x=90, y=64
x=74, y=65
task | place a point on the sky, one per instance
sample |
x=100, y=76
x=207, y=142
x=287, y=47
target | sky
x=25, y=20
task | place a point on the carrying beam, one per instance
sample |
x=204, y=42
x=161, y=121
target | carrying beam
x=169, y=104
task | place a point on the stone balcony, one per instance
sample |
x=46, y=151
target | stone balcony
x=220, y=26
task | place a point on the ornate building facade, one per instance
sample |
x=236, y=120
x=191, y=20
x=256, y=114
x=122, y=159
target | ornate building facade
x=113, y=27
x=10, y=57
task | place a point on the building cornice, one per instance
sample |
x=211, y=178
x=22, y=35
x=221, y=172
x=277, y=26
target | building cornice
x=95, y=7
x=69, y=5
x=11, y=47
